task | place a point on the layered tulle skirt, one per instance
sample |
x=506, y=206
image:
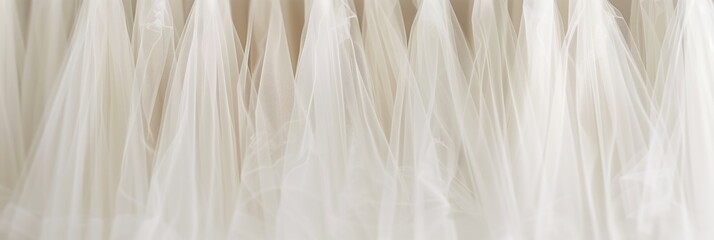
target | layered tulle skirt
x=364, y=119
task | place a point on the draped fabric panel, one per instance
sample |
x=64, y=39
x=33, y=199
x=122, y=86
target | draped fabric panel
x=356, y=119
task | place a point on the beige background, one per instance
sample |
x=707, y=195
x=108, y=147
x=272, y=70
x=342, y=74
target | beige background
x=294, y=15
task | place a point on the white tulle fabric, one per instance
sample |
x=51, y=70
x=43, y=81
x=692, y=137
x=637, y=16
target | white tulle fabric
x=356, y=119
x=68, y=189
x=12, y=148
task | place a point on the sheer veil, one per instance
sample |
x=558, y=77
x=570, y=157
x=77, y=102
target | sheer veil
x=356, y=119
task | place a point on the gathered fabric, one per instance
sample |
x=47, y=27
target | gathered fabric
x=356, y=119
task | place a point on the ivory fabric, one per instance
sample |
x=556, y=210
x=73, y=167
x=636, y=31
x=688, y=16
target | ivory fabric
x=356, y=119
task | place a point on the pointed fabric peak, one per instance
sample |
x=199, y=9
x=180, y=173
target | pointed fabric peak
x=443, y=178
x=384, y=38
x=648, y=24
x=196, y=172
x=686, y=107
x=406, y=194
x=48, y=38
x=69, y=189
x=494, y=44
x=262, y=159
x=542, y=149
x=334, y=166
x=154, y=40
x=487, y=174
x=611, y=108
